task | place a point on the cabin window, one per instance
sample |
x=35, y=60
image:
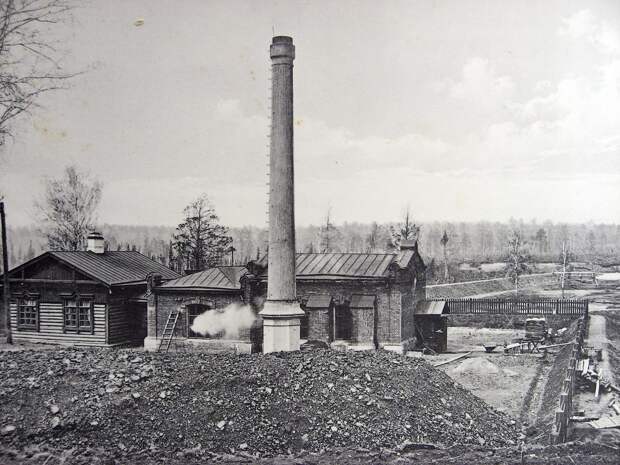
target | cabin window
x=193, y=311
x=78, y=315
x=28, y=314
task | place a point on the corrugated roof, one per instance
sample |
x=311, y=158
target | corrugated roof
x=351, y=265
x=319, y=301
x=116, y=267
x=362, y=301
x=348, y=265
x=221, y=277
x=432, y=307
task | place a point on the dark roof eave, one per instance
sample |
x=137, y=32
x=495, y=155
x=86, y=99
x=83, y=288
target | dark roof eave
x=195, y=289
x=129, y=283
x=333, y=277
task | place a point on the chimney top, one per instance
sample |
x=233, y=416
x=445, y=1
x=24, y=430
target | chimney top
x=282, y=50
x=95, y=243
x=282, y=40
x=409, y=245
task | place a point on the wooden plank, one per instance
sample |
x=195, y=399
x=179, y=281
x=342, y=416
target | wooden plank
x=452, y=360
x=606, y=422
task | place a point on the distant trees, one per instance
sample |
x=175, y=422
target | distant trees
x=200, y=241
x=541, y=241
x=68, y=208
x=517, y=258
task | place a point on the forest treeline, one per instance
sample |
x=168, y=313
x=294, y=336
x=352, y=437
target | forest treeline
x=480, y=242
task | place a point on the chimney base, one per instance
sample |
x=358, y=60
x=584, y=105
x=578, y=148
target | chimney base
x=281, y=321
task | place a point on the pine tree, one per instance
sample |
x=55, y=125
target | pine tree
x=199, y=239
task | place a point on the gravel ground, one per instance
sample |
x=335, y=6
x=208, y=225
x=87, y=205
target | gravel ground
x=132, y=402
x=570, y=453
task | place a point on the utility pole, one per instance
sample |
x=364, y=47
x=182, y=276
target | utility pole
x=5, y=288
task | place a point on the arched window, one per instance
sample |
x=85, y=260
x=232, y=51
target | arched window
x=193, y=311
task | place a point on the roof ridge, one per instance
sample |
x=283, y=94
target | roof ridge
x=347, y=253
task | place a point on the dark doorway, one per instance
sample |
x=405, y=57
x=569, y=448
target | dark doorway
x=303, y=326
x=136, y=316
x=344, y=322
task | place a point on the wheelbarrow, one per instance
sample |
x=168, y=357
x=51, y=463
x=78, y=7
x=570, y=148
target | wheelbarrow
x=489, y=347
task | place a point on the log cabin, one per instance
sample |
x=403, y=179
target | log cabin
x=86, y=298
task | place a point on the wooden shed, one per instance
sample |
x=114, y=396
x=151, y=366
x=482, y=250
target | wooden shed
x=431, y=325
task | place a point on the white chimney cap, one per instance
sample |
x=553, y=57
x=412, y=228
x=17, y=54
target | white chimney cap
x=95, y=243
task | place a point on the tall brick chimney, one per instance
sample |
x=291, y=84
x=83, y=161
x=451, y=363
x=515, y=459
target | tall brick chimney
x=281, y=312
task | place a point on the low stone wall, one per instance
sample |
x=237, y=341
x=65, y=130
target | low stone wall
x=488, y=286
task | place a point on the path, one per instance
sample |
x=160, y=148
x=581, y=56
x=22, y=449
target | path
x=597, y=338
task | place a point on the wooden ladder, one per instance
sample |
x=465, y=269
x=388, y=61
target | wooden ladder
x=168, y=334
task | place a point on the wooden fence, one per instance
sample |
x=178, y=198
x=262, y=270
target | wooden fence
x=496, y=306
x=559, y=433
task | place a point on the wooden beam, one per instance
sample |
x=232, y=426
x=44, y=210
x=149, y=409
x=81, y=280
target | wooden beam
x=452, y=360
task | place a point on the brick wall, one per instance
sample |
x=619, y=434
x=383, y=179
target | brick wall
x=318, y=324
x=363, y=325
x=388, y=307
x=166, y=302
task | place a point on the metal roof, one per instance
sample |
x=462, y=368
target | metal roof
x=221, y=277
x=432, y=307
x=116, y=267
x=347, y=265
x=362, y=301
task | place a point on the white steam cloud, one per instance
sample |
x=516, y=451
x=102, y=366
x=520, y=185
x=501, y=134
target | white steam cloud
x=228, y=321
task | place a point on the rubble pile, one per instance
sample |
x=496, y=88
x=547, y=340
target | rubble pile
x=133, y=401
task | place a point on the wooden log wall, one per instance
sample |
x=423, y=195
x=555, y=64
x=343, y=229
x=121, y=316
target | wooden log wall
x=51, y=327
x=119, y=324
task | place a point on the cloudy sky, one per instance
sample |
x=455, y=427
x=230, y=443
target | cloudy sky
x=465, y=110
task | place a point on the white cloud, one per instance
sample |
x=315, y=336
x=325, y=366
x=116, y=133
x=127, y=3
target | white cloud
x=583, y=25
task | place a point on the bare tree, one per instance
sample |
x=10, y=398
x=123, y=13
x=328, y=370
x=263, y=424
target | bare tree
x=200, y=242
x=516, y=262
x=565, y=259
x=407, y=230
x=444, y=245
x=68, y=209
x=330, y=237
x=29, y=65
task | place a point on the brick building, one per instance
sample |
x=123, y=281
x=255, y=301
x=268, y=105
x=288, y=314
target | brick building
x=209, y=290
x=364, y=300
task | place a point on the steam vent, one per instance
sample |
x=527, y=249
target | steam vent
x=281, y=312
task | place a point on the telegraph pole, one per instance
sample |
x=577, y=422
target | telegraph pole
x=5, y=288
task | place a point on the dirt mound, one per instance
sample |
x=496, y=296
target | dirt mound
x=477, y=366
x=132, y=401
